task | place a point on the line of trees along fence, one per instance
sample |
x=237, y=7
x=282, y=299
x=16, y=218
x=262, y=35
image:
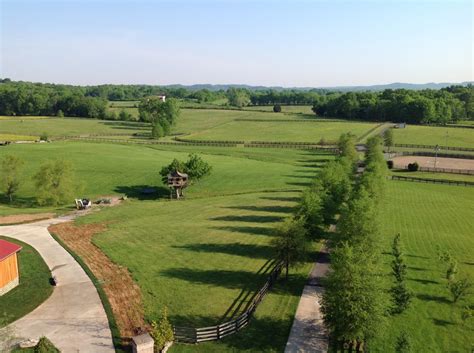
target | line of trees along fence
x=433, y=181
x=213, y=333
x=446, y=148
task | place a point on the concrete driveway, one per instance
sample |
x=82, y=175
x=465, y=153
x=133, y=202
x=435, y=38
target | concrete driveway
x=73, y=317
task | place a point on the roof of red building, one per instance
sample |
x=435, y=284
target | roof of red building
x=7, y=248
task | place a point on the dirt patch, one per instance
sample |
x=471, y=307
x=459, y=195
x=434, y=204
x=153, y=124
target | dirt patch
x=123, y=293
x=429, y=162
x=25, y=218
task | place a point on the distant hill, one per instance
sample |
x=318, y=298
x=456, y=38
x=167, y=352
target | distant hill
x=396, y=85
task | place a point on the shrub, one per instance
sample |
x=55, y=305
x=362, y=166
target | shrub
x=162, y=331
x=44, y=136
x=157, y=131
x=45, y=346
x=403, y=343
x=60, y=114
x=413, y=167
x=459, y=289
x=390, y=164
x=277, y=108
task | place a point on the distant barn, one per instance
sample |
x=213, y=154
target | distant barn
x=9, y=274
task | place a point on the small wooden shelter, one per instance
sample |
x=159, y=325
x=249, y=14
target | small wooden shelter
x=9, y=274
x=177, y=181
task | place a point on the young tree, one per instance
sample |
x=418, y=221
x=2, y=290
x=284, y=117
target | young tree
x=157, y=131
x=346, y=146
x=55, y=183
x=352, y=303
x=403, y=344
x=388, y=138
x=10, y=175
x=291, y=243
x=459, y=289
x=162, y=331
x=309, y=210
x=401, y=296
x=277, y=108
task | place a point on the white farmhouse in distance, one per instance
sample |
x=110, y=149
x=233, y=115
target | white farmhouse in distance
x=162, y=97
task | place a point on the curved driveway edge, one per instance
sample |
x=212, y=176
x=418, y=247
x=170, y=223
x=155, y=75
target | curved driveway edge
x=73, y=317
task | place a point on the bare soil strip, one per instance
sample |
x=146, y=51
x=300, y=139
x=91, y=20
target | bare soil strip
x=123, y=293
x=25, y=218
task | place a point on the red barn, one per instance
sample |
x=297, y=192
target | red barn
x=9, y=275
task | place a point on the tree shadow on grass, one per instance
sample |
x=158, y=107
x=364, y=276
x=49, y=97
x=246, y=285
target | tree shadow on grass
x=247, y=230
x=250, y=250
x=440, y=322
x=423, y=281
x=434, y=298
x=143, y=192
x=248, y=218
x=281, y=198
x=275, y=209
x=221, y=278
x=420, y=269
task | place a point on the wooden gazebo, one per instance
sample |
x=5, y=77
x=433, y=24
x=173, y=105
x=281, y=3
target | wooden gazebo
x=177, y=181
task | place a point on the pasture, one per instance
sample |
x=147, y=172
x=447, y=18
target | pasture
x=34, y=287
x=283, y=131
x=428, y=216
x=434, y=135
x=69, y=126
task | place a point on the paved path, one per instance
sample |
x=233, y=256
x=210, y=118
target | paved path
x=73, y=317
x=308, y=333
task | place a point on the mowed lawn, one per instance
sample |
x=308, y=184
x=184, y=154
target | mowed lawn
x=282, y=131
x=105, y=169
x=69, y=126
x=34, y=287
x=435, y=135
x=428, y=215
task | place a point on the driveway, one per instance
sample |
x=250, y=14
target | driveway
x=73, y=317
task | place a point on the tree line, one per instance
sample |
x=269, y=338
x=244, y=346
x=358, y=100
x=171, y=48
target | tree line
x=428, y=106
x=443, y=106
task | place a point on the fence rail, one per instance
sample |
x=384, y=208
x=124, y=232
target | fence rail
x=433, y=181
x=446, y=148
x=213, y=333
x=433, y=154
x=447, y=170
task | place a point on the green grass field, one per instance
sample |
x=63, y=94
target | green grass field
x=34, y=287
x=281, y=131
x=204, y=256
x=434, y=135
x=69, y=126
x=428, y=215
x=294, y=109
x=10, y=137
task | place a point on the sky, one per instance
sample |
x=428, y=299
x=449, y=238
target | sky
x=288, y=43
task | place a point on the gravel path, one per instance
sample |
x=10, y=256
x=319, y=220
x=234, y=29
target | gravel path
x=308, y=333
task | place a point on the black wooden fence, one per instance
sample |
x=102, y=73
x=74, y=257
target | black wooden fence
x=433, y=154
x=213, y=333
x=447, y=170
x=432, y=147
x=433, y=181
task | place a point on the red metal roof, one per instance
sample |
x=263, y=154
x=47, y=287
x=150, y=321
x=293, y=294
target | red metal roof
x=7, y=248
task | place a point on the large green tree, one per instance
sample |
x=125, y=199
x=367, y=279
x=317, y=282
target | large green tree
x=291, y=243
x=55, y=183
x=10, y=175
